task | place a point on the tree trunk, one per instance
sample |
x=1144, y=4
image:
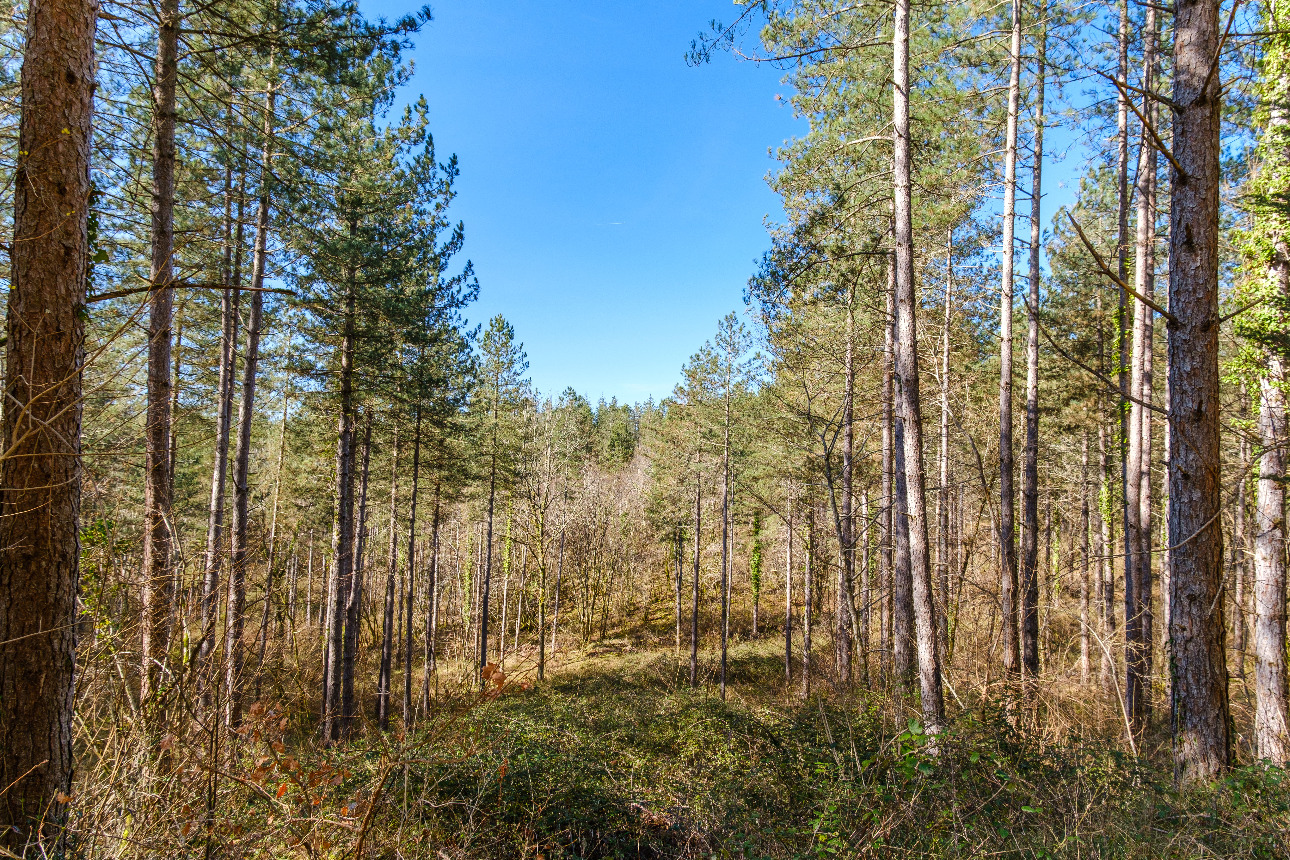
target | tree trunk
x=555, y=604
x=387, y=618
x=1030, y=468
x=886, y=556
x=488, y=555
x=158, y=583
x=846, y=551
x=273, y=545
x=342, y=543
x=432, y=613
x=725, y=545
x=694, y=609
x=40, y=473
x=679, y=564
x=1240, y=624
x=902, y=586
x=864, y=637
x=1085, y=639
x=929, y=666
x=354, y=603
x=1007, y=514
x=808, y=601
x=1137, y=561
x=239, y=544
x=1271, y=720
x=943, y=563
x=1105, y=569
x=788, y=594
x=230, y=317
x=1202, y=745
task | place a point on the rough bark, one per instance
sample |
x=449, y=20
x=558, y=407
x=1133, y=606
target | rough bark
x=158, y=543
x=1200, y=716
x=40, y=474
x=354, y=602
x=1029, y=616
x=907, y=381
x=1007, y=493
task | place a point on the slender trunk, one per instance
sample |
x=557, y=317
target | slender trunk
x=1106, y=545
x=863, y=639
x=679, y=564
x=432, y=614
x=230, y=317
x=1030, y=469
x=725, y=547
x=541, y=627
x=1007, y=495
x=506, y=596
x=808, y=602
x=1122, y=315
x=555, y=604
x=1271, y=719
x=929, y=665
x=488, y=557
x=41, y=471
x=387, y=616
x=788, y=594
x=1137, y=562
x=239, y=542
x=943, y=563
x=273, y=546
x=886, y=574
x=694, y=609
x=1271, y=713
x=409, y=591
x=846, y=557
x=902, y=586
x=412, y=560
x=158, y=538
x=1085, y=639
x=354, y=603
x=1240, y=624
x=338, y=582
x=1200, y=718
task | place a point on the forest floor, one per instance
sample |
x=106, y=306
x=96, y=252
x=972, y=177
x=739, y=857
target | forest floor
x=614, y=756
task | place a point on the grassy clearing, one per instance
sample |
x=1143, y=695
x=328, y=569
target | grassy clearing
x=616, y=757
x=619, y=759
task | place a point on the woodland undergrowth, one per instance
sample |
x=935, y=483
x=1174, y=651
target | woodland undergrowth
x=615, y=756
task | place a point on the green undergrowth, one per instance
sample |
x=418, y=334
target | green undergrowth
x=622, y=760
x=616, y=757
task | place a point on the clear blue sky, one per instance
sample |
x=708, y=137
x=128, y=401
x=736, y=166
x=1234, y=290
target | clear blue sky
x=614, y=198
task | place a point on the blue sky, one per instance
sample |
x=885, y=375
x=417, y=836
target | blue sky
x=614, y=198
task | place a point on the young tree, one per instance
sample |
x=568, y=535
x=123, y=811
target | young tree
x=502, y=366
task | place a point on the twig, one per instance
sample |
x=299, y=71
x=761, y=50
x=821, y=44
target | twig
x=1101, y=264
